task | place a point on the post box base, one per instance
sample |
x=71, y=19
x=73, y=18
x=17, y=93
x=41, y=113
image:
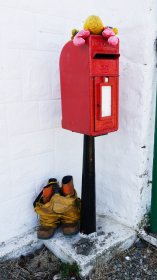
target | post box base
x=111, y=238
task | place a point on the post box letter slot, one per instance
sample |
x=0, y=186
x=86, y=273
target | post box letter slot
x=105, y=101
x=105, y=56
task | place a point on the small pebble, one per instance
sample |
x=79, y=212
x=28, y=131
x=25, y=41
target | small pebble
x=139, y=244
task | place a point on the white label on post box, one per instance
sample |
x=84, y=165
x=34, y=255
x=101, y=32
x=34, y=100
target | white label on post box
x=106, y=101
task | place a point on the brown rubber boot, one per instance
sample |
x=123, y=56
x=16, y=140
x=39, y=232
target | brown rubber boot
x=71, y=217
x=43, y=206
x=47, y=193
x=45, y=232
x=68, y=186
x=49, y=190
x=70, y=229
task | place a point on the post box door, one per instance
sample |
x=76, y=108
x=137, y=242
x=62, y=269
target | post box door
x=106, y=103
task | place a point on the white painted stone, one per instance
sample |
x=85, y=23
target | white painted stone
x=10, y=91
x=25, y=172
x=20, y=245
x=110, y=238
x=148, y=237
x=2, y=112
x=3, y=138
x=22, y=118
x=55, y=76
x=48, y=37
x=17, y=29
x=15, y=214
x=5, y=164
x=31, y=144
x=37, y=75
x=68, y=156
x=50, y=114
x=6, y=189
x=63, y=11
x=10, y=64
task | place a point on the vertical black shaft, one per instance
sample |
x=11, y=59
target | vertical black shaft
x=88, y=212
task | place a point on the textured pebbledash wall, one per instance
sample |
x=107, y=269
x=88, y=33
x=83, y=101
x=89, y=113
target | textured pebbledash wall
x=34, y=147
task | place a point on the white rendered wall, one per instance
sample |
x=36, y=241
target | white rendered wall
x=125, y=158
x=34, y=147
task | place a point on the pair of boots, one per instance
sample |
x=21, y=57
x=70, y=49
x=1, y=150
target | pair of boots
x=56, y=206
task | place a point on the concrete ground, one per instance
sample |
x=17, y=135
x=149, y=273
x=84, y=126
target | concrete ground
x=85, y=250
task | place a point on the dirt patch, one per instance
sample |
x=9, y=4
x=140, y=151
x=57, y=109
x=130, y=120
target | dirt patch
x=137, y=263
x=41, y=265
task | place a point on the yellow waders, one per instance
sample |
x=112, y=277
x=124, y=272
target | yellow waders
x=65, y=209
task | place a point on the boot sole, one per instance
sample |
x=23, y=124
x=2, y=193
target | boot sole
x=71, y=233
x=46, y=238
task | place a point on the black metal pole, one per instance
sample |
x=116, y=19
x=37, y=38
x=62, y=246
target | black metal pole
x=88, y=212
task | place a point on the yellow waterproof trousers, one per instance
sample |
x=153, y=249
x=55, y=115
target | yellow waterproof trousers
x=65, y=209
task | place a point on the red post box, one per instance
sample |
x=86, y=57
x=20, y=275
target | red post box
x=89, y=77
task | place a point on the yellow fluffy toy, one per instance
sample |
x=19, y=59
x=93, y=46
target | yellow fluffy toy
x=94, y=25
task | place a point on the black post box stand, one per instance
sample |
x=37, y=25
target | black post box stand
x=88, y=212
